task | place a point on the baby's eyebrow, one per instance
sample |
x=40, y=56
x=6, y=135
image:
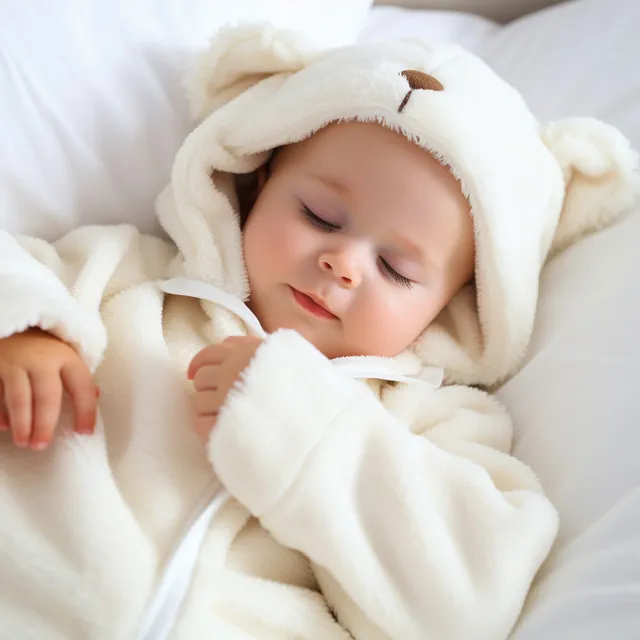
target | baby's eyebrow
x=412, y=249
x=409, y=247
x=334, y=184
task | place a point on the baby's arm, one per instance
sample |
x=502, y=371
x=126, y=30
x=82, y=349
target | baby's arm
x=58, y=289
x=412, y=537
x=38, y=288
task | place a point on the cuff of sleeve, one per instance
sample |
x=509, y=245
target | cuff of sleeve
x=29, y=302
x=274, y=418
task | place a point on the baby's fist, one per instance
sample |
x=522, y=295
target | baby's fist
x=214, y=371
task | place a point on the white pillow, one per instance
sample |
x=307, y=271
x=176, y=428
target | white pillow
x=578, y=58
x=92, y=107
x=392, y=23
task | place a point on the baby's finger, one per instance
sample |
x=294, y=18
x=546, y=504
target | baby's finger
x=204, y=426
x=214, y=354
x=46, y=390
x=79, y=384
x=207, y=402
x=17, y=398
x=206, y=378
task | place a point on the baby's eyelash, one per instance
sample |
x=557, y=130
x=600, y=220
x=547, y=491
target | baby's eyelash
x=316, y=221
x=394, y=275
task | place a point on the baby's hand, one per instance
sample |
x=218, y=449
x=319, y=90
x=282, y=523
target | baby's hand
x=214, y=371
x=35, y=369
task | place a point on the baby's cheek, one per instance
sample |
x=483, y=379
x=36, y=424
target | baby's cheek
x=298, y=239
x=280, y=237
x=378, y=327
x=399, y=324
x=289, y=241
x=265, y=250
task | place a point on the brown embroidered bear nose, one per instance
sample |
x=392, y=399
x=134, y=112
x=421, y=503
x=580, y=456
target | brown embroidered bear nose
x=421, y=81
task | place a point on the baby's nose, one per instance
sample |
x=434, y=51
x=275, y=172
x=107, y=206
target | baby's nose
x=343, y=267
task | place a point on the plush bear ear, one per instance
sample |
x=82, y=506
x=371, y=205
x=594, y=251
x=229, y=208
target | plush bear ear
x=600, y=172
x=238, y=58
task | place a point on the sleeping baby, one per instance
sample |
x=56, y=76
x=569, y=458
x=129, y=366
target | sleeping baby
x=355, y=239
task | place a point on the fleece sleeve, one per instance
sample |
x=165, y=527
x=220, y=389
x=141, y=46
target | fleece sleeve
x=423, y=538
x=59, y=287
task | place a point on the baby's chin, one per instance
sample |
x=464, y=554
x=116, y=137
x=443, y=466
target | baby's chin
x=332, y=348
x=326, y=344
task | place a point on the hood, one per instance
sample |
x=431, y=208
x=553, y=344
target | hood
x=533, y=189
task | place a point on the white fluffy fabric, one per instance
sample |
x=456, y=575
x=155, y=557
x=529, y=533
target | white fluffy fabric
x=389, y=508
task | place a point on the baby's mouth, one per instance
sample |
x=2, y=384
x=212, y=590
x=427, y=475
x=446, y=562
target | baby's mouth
x=312, y=304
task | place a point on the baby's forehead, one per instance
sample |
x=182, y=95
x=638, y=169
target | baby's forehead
x=368, y=155
x=341, y=143
x=339, y=132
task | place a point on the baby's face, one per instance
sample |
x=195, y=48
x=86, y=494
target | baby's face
x=358, y=239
